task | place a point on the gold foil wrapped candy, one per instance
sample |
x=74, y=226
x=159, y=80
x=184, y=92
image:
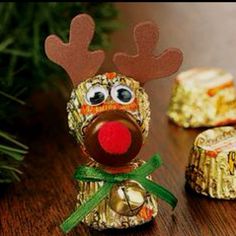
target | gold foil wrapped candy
x=212, y=163
x=203, y=97
x=127, y=205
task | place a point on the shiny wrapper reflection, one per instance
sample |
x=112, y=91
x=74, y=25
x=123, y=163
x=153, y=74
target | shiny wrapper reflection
x=124, y=210
x=203, y=97
x=127, y=198
x=212, y=163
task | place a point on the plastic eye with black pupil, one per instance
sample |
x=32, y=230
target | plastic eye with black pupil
x=122, y=94
x=96, y=95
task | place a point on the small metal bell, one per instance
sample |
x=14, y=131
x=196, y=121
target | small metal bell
x=127, y=198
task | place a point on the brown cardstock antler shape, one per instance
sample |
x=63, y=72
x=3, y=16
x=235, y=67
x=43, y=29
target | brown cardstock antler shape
x=145, y=66
x=74, y=56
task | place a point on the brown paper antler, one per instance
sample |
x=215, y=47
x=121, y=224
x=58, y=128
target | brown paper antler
x=145, y=66
x=74, y=56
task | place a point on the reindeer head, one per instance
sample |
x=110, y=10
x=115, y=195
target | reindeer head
x=109, y=114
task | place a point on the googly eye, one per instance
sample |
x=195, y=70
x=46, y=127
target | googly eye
x=122, y=94
x=96, y=95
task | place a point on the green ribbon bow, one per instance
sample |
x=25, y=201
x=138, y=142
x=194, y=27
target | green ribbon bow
x=92, y=174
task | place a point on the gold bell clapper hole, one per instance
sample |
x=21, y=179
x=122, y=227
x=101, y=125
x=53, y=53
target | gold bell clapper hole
x=127, y=198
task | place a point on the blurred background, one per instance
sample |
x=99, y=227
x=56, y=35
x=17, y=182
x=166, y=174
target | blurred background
x=203, y=31
x=33, y=89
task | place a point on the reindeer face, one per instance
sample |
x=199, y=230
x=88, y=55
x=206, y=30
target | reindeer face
x=109, y=114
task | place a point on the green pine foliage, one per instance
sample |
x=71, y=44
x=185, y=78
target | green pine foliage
x=24, y=66
x=11, y=155
x=23, y=29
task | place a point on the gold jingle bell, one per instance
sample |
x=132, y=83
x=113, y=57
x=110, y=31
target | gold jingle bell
x=127, y=198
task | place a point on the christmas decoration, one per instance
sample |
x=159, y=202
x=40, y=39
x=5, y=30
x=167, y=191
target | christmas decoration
x=109, y=116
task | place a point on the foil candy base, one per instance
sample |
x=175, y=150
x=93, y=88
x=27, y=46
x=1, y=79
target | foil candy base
x=103, y=217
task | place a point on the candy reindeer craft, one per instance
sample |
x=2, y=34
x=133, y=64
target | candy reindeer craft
x=109, y=116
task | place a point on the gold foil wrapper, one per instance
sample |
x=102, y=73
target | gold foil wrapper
x=212, y=163
x=203, y=97
x=106, y=216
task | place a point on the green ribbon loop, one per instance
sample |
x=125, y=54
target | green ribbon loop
x=93, y=174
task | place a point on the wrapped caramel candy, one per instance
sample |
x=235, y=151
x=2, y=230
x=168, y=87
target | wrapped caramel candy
x=109, y=115
x=203, y=97
x=212, y=163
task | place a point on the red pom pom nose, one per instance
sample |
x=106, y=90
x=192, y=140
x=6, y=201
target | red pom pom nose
x=114, y=137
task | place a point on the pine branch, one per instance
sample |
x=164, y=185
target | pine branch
x=10, y=158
